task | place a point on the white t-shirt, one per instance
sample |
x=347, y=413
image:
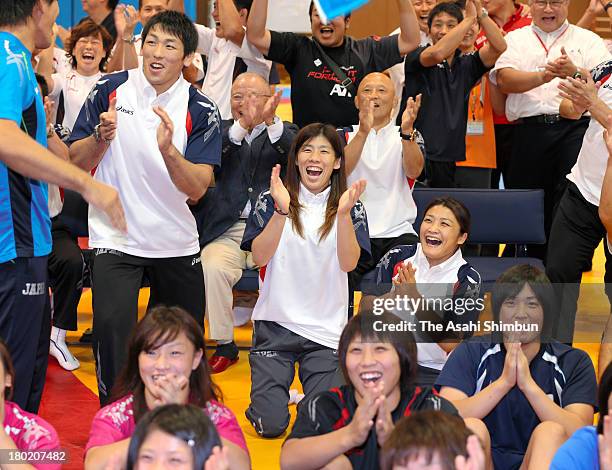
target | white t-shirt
x=388, y=194
x=75, y=88
x=160, y=224
x=304, y=289
x=222, y=56
x=525, y=52
x=588, y=172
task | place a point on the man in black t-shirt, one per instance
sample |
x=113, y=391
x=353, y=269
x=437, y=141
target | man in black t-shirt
x=444, y=78
x=318, y=94
x=102, y=13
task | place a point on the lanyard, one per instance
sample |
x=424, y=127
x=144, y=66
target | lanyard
x=554, y=42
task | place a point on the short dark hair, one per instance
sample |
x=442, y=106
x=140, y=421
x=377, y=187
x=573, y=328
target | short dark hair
x=312, y=5
x=362, y=325
x=512, y=281
x=426, y=433
x=112, y=4
x=185, y=422
x=17, y=12
x=605, y=388
x=42, y=83
x=461, y=213
x=177, y=24
x=449, y=8
x=86, y=28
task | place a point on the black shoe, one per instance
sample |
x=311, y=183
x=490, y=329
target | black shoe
x=229, y=350
x=86, y=337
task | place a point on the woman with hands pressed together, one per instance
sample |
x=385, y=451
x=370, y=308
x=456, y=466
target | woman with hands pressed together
x=348, y=425
x=532, y=393
x=307, y=236
x=165, y=365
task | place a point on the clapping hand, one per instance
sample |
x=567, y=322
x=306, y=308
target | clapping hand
x=165, y=131
x=278, y=191
x=410, y=113
x=351, y=196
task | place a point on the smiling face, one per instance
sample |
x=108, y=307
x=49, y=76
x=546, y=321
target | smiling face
x=88, y=53
x=331, y=34
x=316, y=161
x=44, y=15
x=150, y=8
x=163, y=59
x=440, y=235
x=367, y=363
x=422, y=8
x=441, y=25
x=162, y=450
x=549, y=16
x=377, y=88
x=246, y=87
x=524, y=309
x=176, y=358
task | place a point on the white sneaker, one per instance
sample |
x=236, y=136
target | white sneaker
x=295, y=397
x=63, y=355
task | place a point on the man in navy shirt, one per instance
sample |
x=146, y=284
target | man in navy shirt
x=531, y=394
x=444, y=78
x=25, y=234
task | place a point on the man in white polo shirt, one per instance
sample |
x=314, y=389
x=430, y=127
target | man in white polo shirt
x=156, y=139
x=389, y=158
x=228, y=52
x=545, y=143
x=577, y=229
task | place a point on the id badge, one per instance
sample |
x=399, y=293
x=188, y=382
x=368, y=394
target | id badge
x=475, y=128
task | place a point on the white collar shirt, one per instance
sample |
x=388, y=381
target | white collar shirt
x=388, y=196
x=530, y=49
x=160, y=224
x=305, y=290
x=222, y=55
x=433, y=282
x=588, y=171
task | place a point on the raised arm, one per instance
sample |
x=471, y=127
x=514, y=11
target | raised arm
x=412, y=156
x=496, y=44
x=265, y=244
x=347, y=245
x=352, y=151
x=230, y=21
x=409, y=37
x=257, y=34
x=447, y=46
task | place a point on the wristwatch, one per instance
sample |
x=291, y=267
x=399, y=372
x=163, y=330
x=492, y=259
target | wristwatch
x=484, y=13
x=132, y=40
x=411, y=137
x=606, y=6
x=96, y=135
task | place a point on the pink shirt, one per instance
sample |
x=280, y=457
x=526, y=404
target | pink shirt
x=30, y=432
x=115, y=422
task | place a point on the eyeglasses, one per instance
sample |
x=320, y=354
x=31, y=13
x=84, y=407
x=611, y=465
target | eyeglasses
x=239, y=98
x=552, y=3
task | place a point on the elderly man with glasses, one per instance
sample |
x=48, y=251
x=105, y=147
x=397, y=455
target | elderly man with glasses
x=545, y=143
